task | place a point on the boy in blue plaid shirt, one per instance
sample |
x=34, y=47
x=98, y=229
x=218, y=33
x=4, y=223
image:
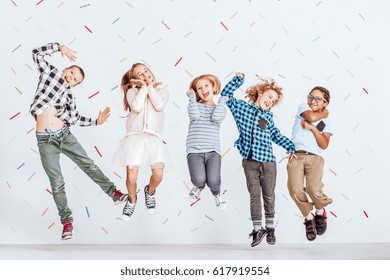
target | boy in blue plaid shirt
x=257, y=129
x=54, y=109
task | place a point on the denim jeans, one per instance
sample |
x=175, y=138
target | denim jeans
x=205, y=168
x=51, y=145
x=261, y=181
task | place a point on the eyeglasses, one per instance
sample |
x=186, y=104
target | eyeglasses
x=316, y=99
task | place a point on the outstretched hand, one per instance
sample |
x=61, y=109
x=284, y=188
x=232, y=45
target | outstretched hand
x=103, y=116
x=69, y=53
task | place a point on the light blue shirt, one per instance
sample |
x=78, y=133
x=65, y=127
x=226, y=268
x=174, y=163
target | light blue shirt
x=304, y=139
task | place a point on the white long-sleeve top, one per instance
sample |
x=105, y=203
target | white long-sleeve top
x=146, y=110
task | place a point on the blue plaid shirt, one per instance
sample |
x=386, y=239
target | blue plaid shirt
x=249, y=119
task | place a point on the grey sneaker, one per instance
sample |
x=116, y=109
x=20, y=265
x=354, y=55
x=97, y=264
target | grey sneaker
x=118, y=197
x=150, y=201
x=67, y=232
x=257, y=236
x=220, y=202
x=195, y=193
x=128, y=210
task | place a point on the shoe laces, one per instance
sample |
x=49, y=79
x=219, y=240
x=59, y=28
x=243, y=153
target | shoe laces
x=150, y=201
x=67, y=226
x=128, y=209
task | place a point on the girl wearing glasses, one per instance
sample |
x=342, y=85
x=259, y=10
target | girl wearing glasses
x=311, y=134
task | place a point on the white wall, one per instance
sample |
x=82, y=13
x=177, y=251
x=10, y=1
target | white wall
x=342, y=45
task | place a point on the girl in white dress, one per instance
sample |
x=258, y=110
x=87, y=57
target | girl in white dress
x=142, y=144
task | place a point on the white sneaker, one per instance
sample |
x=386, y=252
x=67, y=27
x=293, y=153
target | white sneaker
x=150, y=201
x=220, y=202
x=128, y=210
x=195, y=193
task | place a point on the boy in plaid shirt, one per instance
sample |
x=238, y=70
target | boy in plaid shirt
x=257, y=129
x=54, y=110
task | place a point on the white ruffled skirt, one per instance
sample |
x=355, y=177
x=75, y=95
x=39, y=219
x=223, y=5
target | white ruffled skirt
x=140, y=150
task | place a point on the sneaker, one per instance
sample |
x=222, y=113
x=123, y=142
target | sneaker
x=221, y=204
x=67, y=232
x=321, y=224
x=195, y=193
x=271, y=239
x=311, y=232
x=150, y=201
x=128, y=210
x=118, y=197
x=257, y=236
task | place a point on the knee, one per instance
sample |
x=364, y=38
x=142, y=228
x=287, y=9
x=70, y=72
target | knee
x=198, y=181
x=58, y=187
x=131, y=178
x=214, y=183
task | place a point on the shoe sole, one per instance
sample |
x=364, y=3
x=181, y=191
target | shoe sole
x=258, y=242
x=68, y=237
x=125, y=218
x=151, y=211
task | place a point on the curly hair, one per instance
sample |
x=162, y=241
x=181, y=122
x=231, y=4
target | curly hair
x=214, y=80
x=126, y=84
x=257, y=90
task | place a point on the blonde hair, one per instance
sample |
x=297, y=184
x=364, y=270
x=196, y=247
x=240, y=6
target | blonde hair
x=214, y=80
x=255, y=91
x=126, y=84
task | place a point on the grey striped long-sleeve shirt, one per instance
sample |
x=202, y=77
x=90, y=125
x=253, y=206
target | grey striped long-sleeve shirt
x=205, y=121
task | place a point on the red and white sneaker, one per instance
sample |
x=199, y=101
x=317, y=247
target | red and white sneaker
x=118, y=197
x=67, y=232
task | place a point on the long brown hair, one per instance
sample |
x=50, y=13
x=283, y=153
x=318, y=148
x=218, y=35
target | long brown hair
x=214, y=80
x=255, y=91
x=126, y=84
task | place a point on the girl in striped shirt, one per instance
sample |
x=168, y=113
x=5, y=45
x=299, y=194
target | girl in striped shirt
x=203, y=144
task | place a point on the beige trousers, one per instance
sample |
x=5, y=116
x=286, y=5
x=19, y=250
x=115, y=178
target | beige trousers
x=309, y=167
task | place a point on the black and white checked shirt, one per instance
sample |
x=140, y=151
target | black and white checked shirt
x=52, y=90
x=250, y=119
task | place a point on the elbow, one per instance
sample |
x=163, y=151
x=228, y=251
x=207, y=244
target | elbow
x=324, y=146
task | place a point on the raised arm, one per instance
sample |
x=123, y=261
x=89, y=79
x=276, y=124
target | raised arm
x=193, y=108
x=230, y=88
x=40, y=53
x=158, y=98
x=220, y=111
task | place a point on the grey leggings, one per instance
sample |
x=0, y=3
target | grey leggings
x=205, y=168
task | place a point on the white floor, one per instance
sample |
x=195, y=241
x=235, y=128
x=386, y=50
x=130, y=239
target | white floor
x=312, y=251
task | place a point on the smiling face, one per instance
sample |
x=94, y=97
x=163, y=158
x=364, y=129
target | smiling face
x=205, y=90
x=266, y=100
x=141, y=72
x=316, y=100
x=72, y=75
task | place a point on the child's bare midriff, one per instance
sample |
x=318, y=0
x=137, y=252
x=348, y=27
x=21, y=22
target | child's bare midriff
x=48, y=120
